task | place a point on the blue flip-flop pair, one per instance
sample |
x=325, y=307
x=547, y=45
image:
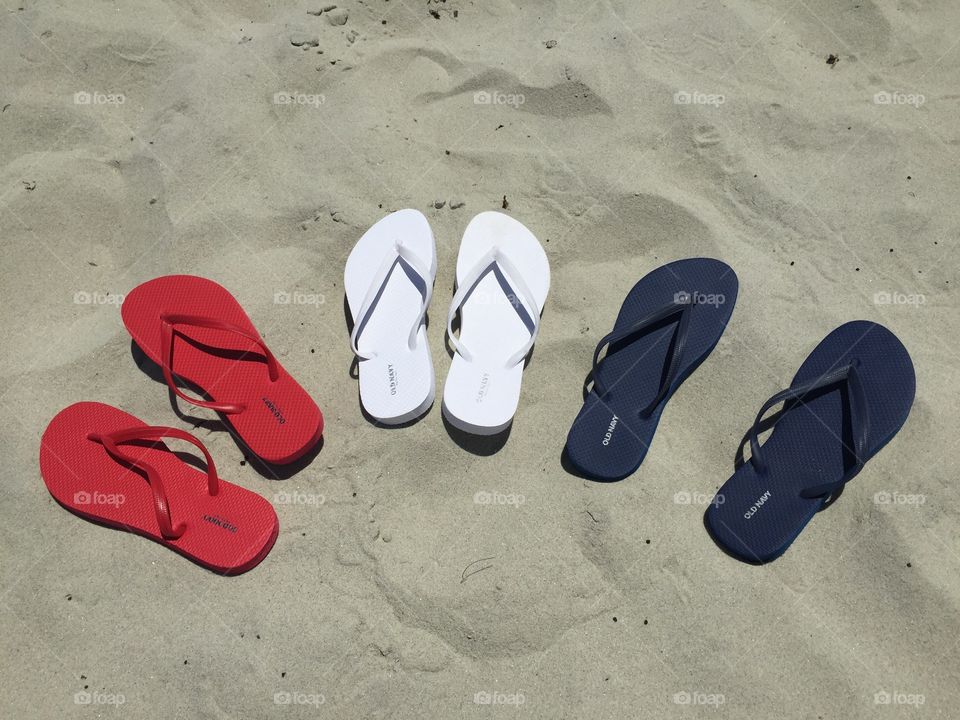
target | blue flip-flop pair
x=851, y=395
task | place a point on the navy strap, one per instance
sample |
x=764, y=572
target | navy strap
x=682, y=304
x=859, y=421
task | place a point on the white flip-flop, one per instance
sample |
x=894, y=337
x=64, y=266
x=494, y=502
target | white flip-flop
x=388, y=281
x=503, y=277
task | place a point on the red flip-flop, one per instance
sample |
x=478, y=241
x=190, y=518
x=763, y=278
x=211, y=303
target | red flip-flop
x=196, y=331
x=94, y=458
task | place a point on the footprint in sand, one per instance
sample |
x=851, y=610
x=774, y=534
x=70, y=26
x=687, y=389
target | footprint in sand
x=467, y=592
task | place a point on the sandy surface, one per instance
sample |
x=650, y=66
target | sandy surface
x=645, y=133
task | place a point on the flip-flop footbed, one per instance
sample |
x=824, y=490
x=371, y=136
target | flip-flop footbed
x=481, y=393
x=397, y=382
x=757, y=515
x=280, y=421
x=609, y=439
x=228, y=533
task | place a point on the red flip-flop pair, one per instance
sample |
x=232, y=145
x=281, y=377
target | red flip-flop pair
x=94, y=458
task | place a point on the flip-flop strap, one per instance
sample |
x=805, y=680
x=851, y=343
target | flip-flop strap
x=168, y=321
x=161, y=506
x=496, y=257
x=683, y=303
x=400, y=253
x=859, y=420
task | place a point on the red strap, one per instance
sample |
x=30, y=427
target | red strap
x=160, y=504
x=167, y=323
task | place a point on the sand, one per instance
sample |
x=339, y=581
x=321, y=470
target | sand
x=253, y=143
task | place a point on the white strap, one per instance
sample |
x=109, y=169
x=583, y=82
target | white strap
x=390, y=261
x=495, y=256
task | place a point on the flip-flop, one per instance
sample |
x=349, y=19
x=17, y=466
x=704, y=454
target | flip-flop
x=503, y=277
x=667, y=326
x=108, y=467
x=847, y=400
x=196, y=331
x=388, y=281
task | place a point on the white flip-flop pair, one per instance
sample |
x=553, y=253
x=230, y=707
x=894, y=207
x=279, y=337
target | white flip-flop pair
x=503, y=277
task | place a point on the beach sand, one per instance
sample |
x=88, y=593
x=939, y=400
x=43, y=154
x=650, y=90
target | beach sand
x=253, y=144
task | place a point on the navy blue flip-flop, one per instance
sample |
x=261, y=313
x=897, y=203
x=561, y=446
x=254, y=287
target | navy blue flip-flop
x=669, y=323
x=850, y=396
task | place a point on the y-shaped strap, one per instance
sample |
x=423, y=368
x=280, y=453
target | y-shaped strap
x=683, y=303
x=859, y=420
x=167, y=324
x=391, y=260
x=495, y=257
x=160, y=504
